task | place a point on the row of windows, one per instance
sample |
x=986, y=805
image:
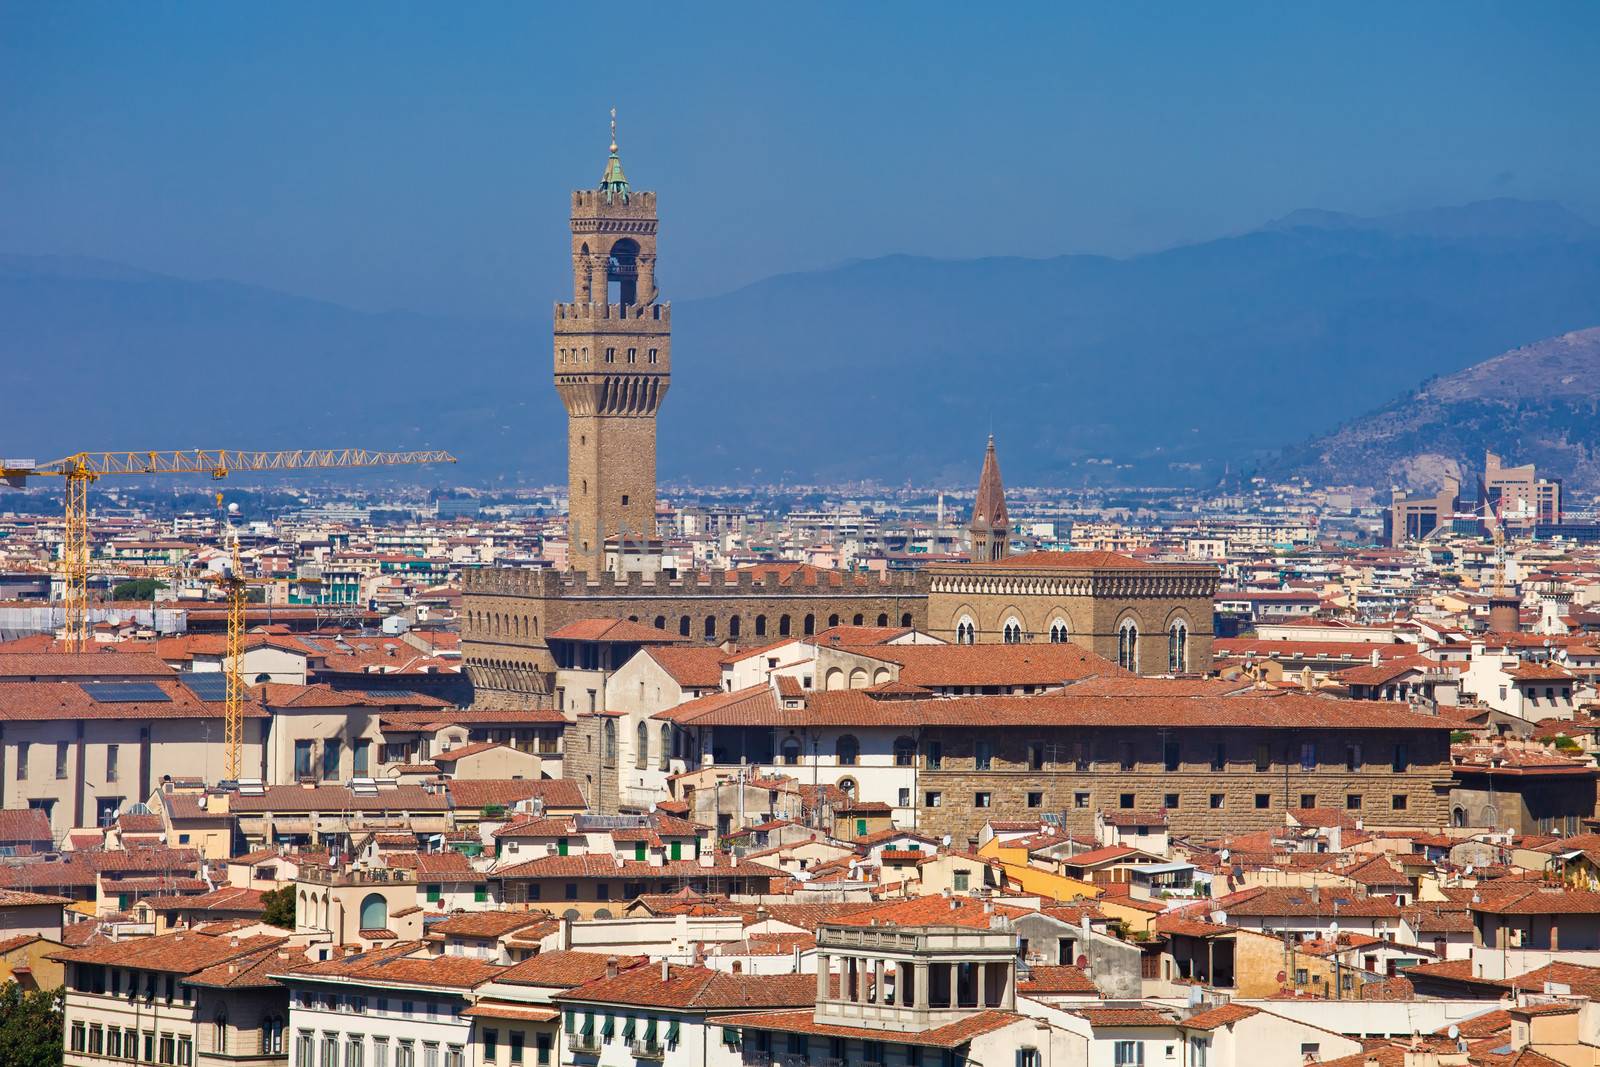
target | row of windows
x=589, y=1032
x=652, y=356
x=63, y=754
x=143, y=1046
x=1084, y=800
x=502, y=624
x=515, y=1047
x=310, y=1051
x=1080, y=755
x=799, y=1047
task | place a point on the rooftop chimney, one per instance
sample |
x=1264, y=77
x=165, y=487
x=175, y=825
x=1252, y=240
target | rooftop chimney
x=666, y=969
x=611, y=966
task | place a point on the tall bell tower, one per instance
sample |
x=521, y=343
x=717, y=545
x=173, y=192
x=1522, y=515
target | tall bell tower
x=613, y=363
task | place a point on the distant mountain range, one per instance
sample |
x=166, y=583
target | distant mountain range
x=1157, y=369
x=1538, y=404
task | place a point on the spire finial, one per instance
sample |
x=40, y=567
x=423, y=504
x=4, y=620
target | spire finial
x=613, y=131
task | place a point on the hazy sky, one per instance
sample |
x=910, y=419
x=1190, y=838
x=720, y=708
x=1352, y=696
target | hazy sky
x=393, y=156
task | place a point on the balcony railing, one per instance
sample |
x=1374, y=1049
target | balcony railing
x=649, y=1050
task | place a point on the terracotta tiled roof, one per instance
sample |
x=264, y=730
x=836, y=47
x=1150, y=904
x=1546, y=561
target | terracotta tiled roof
x=25, y=826
x=13, y=898
x=952, y=1036
x=183, y=952
x=564, y=970
x=481, y=792
x=691, y=666
x=395, y=965
x=25, y=701
x=1114, y=1017
x=487, y=923
x=1056, y=979
x=936, y=666
x=933, y=911
x=592, y=865
x=758, y=707
x=90, y=666
x=692, y=988
x=1221, y=1015
x=283, y=695
x=612, y=630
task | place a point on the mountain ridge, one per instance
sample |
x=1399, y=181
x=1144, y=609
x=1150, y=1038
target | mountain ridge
x=1538, y=403
x=1157, y=368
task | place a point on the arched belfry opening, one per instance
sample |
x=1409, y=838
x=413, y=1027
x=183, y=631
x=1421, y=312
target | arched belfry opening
x=622, y=272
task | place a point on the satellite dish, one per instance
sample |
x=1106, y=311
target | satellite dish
x=1224, y=855
x=1333, y=929
x=233, y=509
x=1454, y=1032
x=1468, y=871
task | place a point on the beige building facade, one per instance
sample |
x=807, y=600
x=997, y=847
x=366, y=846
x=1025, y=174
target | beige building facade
x=1151, y=618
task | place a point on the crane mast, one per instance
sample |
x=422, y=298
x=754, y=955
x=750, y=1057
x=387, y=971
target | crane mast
x=82, y=469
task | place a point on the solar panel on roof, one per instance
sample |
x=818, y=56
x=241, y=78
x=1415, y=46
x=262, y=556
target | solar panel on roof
x=389, y=694
x=207, y=685
x=124, y=692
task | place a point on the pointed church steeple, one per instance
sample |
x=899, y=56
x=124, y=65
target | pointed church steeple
x=991, y=526
x=613, y=182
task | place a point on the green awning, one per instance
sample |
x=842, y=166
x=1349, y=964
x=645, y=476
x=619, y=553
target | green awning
x=730, y=1034
x=588, y=1026
x=609, y=1027
x=672, y=1032
x=572, y=1021
x=650, y=1033
x=628, y=1028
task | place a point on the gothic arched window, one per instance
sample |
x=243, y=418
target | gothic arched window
x=1178, y=647
x=666, y=747
x=641, y=758
x=848, y=750
x=964, y=631
x=1013, y=632
x=1058, y=632
x=1128, y=645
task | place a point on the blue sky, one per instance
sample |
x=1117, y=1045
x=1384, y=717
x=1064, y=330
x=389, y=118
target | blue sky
x=419, y=156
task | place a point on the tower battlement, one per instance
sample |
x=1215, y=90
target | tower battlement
x=545, y=583
x=585, y=316
x=590, y=204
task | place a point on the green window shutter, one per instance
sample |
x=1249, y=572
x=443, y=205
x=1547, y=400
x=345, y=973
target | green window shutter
x=588, y=1025
x=433, y=894
x=672, y=1032
x=730, y=1036
x=677, y=850
x=861, y=826
x=630, y=1028
x=638, y=850
x=609, y=1027
x=572, y=1022
x=561, y=847
x=480, y=894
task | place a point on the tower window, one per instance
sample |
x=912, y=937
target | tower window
x=624, y=499
x=633, y=355
x=650, y=356
x=611, y=355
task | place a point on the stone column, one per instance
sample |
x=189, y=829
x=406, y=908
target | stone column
x=983, y=985
x=919, y=987
x=1010, y=994
x=824, y=967
x=647, y=277
x=877, y=981
x=597, y=282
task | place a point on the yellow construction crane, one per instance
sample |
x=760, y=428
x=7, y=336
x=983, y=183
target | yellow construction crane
x=82, y=469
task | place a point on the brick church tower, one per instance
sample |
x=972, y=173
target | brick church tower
x=613, y=363
x=991, y=526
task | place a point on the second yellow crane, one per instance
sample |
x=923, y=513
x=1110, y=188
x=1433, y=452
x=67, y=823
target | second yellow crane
x=83, y=469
